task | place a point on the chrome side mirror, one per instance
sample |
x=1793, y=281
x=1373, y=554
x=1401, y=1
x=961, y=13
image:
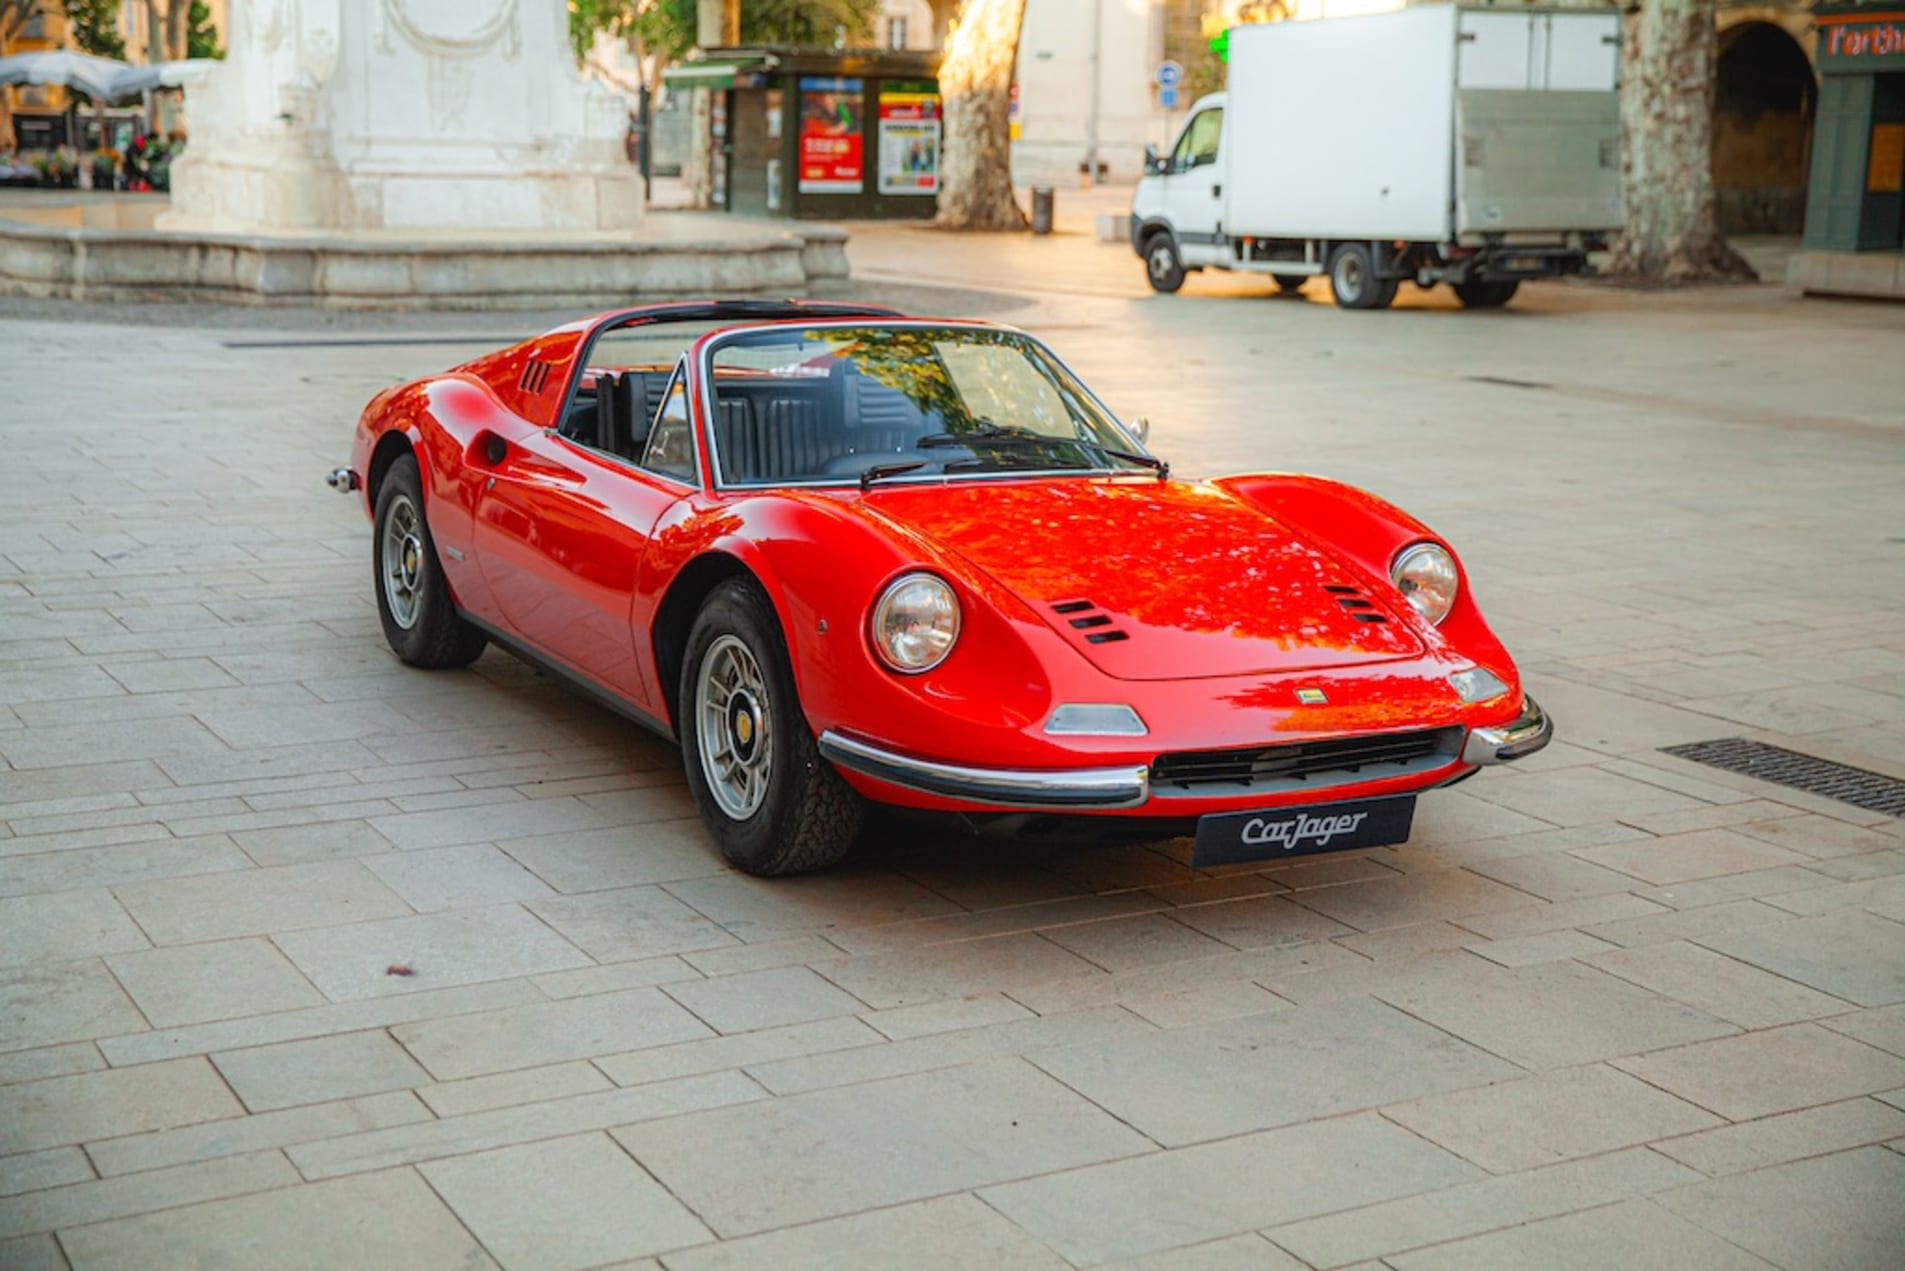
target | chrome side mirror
x=1142, y=427
x=1151, y=159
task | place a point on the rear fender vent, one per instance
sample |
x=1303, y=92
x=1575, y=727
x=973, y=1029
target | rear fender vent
x=1084, y=616
x=535, y=376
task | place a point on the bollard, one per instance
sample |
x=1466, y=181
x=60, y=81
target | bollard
x=1041, y=209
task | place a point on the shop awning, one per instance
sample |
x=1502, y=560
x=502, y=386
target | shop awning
x=713, y=73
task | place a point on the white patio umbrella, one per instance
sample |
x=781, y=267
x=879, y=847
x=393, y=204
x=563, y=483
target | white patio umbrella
x=90, y=75
x=134, y=80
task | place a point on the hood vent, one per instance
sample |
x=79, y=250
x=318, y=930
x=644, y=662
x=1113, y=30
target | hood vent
x=1360, y=607
x=1083, y=615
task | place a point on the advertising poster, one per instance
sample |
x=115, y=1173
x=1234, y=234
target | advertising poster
x=832, y=136
x=909, y=139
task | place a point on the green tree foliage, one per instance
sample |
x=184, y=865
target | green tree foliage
x=808, y=23
x=201, y=37
x=668, y=26
x=95, y=27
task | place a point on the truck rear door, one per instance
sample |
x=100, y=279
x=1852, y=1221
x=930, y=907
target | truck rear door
x=1537, y=123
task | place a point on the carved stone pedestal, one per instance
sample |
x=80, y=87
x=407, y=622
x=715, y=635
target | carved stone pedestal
x=406, y=115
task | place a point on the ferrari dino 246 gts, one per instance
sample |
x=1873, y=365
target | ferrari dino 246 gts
x=845, y=556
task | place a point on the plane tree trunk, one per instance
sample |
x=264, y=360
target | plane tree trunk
x=1672, y=231
x=975, y=83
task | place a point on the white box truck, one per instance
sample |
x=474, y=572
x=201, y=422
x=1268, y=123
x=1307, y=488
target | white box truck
x=1444, y=143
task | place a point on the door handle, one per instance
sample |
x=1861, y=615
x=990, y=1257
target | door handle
x=1217, y=191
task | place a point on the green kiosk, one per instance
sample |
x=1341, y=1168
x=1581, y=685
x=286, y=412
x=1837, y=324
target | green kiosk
x=850, y=134
x=1855, y=199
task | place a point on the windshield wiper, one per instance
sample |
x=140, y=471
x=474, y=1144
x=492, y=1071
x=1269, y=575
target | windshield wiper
x=882, y=470
x=1157, y=465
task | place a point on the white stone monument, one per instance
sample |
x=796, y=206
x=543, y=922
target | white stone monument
x=418, y=116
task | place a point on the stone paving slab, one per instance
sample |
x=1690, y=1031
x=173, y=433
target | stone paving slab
x=1607, y=1007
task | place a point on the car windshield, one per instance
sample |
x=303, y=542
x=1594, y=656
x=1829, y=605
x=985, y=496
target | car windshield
x=820, y=404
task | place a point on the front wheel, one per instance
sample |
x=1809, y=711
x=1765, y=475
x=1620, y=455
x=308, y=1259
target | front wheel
x=1485, y=295
x=420, y=620
x=769, y=800
x=1354, y=280
x=1162, y=268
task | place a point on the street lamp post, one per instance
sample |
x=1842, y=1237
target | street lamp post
x=1091, y=115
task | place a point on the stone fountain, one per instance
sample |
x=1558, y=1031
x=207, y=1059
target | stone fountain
x=410, y=153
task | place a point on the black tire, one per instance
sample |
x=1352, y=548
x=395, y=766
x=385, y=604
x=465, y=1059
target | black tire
x=808, y=817
x=1485, y=295
x=1289, y=284
x=1163, y=269
x=435, y=636
x=1353, y=279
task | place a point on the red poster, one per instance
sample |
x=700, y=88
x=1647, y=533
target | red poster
x=832, y=135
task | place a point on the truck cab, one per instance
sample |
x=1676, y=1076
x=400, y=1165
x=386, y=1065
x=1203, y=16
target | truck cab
x=1177, y=211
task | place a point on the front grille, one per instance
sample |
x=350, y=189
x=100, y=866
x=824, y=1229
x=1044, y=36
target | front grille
x=1334, y=761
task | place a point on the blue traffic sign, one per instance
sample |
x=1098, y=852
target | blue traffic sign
x=1169, y=74
x=1167, y=96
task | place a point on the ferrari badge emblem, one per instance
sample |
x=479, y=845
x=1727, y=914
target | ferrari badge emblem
x=1311, y=696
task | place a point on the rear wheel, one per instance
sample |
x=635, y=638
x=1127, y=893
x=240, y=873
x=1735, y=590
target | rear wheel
x=420, y=620
x=769, y=800
x=1162, y=268
x=1354, y=281
x=1485, y=295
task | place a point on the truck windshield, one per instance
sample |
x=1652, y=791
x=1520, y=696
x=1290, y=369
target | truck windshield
x=831, y=404
x=1198, y=145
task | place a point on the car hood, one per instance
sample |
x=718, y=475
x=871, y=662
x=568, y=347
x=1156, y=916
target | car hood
x=1155, y=580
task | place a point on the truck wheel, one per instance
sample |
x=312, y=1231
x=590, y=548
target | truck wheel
x=1485, y=295
x=1353, y=279
x=1289, y=284
x=1161, y=265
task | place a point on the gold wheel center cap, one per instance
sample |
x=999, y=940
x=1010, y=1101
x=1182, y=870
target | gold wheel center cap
x=744, y=728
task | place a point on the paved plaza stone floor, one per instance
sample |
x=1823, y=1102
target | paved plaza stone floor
x=1606, y=1009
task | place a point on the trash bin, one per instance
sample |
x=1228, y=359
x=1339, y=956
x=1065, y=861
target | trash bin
x=1041, y=209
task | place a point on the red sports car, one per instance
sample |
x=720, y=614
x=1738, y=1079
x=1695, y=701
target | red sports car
x=846, y=556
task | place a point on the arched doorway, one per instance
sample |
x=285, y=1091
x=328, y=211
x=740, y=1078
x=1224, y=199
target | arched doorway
x=1764, y=100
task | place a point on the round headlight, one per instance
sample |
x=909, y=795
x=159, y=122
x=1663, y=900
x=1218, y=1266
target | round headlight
x=1426, y=574
x=915, y=623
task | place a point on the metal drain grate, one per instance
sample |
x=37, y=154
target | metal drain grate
x=1873, y=791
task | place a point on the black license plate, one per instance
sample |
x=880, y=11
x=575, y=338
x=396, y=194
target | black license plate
x=1230, y=837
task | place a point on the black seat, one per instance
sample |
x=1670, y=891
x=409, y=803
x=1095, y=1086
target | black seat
x=578, y=424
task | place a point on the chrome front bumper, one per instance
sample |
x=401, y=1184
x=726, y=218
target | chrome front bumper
x=1124, y=786
x=1121, y=787
x=1518, y=737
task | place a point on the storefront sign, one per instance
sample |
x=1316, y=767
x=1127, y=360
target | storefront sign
x=1849, y=41
x=832, y=139
x=909, y=139
x=1869, y=39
